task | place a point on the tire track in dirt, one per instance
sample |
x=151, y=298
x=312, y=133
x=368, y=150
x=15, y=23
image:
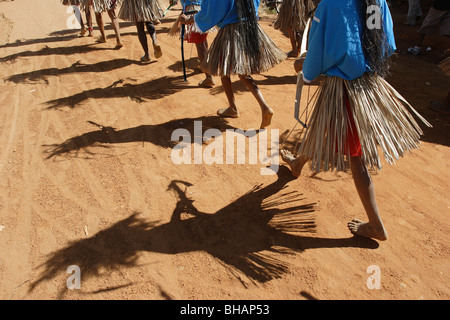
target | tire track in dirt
x=97, y=191
x=87, y=168
x=8, y=134
x=57, y=178
x=51, y=223
x=17, y=209
x=26, y=135
x=104, y=111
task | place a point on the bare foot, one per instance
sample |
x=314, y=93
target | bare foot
x=296, y=164
x=364, y=229
x=101, y=40
x=157, y=51
x=145, y=58
x=119, y=45
x=293, y=54
x=266, y=118
x=228, y=112
x=208, y=82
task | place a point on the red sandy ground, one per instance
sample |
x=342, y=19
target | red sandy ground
x=109, y=199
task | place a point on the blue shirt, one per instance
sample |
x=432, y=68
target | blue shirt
x=218, y=13
x=186, y=3
x=334, y=41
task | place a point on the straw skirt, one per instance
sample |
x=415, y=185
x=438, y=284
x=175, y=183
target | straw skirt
x=71, y=2
x=227, y=55
x=141, y=10
x=380, y=116
x=99, y=6
x=293, y=15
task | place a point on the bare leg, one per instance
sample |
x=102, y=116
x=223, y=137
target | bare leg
x=143, y=40
x=295, y=40
x=298, y=37
x=374, y=227
x=152, y=32
x=115, y=24
x=83, y=26
x=266, y=111
x=232, y=110
x=101, y=27
x=414, y=11
x=202, y=51
x=89, y=20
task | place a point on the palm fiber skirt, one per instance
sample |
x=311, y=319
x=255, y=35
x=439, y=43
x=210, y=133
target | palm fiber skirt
x=227, y=55
x=71, y=2
x=99, y=6
x=377, y=117
x=141, y=10
x=293, y=15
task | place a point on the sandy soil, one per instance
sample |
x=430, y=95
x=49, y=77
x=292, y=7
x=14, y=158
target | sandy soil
x=87, y=179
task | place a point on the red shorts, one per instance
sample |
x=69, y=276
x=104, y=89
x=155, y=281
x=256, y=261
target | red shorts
x=352, y=144
x=196, y=37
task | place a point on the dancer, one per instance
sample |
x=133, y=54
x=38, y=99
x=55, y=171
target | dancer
x=292, y=20
x=241, y=48
x=196, y=37
x=99, y=7
x=356, y=111
x=414, y=12
x=143, y=13
x=437, y=17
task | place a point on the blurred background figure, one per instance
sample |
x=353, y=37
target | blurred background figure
x=414, y=12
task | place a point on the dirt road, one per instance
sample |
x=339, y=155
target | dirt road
x=87, y=179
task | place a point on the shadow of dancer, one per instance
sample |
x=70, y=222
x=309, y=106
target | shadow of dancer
x=250, y=236
x=53, y=51
x=151, y=90
x=76, y=68
x=157, y=134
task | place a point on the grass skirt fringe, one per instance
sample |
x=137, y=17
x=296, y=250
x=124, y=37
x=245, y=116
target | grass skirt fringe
x=141, y=10
x=293, y=15
x=227, y=55
x=71, y=2
x=381, y=117
x=99, y=5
